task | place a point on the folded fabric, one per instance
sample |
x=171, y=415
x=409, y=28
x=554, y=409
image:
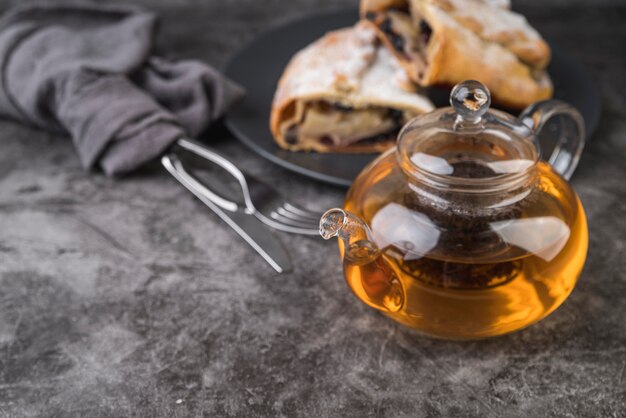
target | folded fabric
x=87, y=69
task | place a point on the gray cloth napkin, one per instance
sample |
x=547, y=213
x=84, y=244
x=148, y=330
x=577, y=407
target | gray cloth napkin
x=87, y=69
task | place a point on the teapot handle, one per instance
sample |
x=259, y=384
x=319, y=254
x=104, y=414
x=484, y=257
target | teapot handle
x=568, y=136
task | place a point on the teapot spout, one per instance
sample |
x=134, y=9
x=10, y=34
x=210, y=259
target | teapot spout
x=346, y=226
x=370, y=275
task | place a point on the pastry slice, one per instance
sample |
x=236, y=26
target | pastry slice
x=344, y=93
x=443, y=42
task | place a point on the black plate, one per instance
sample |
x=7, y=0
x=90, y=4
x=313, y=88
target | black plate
x=259, y=65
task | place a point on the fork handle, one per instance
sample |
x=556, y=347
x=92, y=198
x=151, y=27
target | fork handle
x=217, y=158
x=175, y=166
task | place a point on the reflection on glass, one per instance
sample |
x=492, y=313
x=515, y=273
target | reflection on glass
x=510, y=166
x=544, y=236
x=432, y=163
x=408, y=230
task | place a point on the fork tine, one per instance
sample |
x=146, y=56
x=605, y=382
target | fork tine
x=291, y=229
x=295, y=216
x=286, y=221
x=302, y=212
x=304, y=223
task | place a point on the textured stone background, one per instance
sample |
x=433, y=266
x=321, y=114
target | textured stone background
x=129, y=297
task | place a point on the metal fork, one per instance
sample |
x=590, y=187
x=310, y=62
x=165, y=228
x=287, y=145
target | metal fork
x=260, y=200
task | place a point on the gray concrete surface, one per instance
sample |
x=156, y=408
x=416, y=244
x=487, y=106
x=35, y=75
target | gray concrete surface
x=127, y=297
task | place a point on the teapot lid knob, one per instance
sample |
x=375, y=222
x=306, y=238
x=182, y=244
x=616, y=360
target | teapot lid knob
x=470, y=100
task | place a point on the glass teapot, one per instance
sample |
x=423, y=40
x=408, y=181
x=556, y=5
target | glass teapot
x=462, y=231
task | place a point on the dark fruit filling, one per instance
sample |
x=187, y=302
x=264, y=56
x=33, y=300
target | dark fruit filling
x=400, y=8
x=396, y=40
x=342, y=107
x=397, y=116
x=386, y=26
x=326, y=140
x=371, y=16
x=425, y=31
x=291, y=137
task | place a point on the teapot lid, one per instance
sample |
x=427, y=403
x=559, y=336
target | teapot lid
x=467, y=140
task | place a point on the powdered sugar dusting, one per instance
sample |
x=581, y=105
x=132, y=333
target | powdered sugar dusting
x=349, y=65
x=497, y=24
